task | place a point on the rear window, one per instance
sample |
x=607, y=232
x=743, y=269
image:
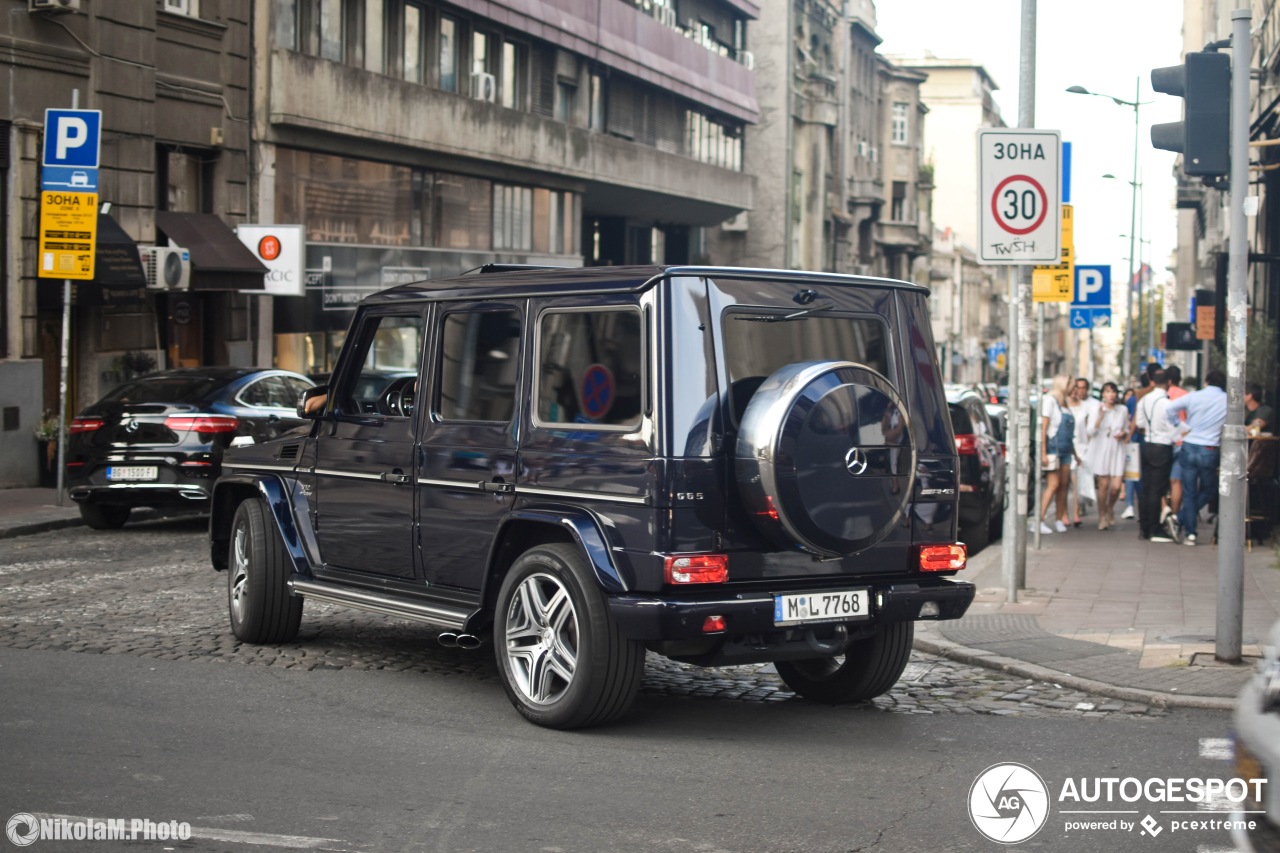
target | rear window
x=960, y=422
x=166, y=389
x=755, y=347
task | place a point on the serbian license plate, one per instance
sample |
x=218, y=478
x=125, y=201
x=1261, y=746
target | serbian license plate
x=826, y=606
x=132, y=472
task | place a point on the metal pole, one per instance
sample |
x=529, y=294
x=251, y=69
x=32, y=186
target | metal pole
x=64, y=358
x=1015, y=516
x=1043, y=443
x=1231, y=479
x=1127, y=367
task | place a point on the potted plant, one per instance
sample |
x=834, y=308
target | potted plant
x=46, y=433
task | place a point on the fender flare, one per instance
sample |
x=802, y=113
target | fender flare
x=587, y=531
x=276, y=495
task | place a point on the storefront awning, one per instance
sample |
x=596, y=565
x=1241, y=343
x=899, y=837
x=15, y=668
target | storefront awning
x=219, y=261
x=116, y=263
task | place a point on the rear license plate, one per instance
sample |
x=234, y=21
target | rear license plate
x=132, y=472
x=827, y=606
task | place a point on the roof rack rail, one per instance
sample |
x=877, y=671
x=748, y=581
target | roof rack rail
x=492, y=268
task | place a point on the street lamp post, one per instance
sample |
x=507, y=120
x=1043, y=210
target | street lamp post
x=1133, y=213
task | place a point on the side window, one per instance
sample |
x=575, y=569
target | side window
x=388, y=348
x=293, y=389
x=261, y=393
x=479, y=357
x=589, y=368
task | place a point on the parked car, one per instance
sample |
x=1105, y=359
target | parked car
x=982, y=460
x=999, y=415
x=159, y=440
x=1257, y=752
x=722, y=466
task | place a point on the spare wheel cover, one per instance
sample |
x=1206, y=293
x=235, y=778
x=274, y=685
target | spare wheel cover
x=824, y=458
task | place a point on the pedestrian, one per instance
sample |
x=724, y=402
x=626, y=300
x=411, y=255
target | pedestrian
x=1084, y=409
x=1176, y=391
x=1206, y=413
x=1157, y=455
x=1258, y=416
x=1132, y=481
x=1108, y=436
x=1057, y=440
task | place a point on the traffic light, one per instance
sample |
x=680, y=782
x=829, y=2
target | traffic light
x=1203, y=135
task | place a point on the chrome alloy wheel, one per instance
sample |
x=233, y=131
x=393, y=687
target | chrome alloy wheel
x=542, y=638
x=239, y=572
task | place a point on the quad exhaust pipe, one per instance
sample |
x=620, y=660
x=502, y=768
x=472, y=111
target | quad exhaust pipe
x=469, y=642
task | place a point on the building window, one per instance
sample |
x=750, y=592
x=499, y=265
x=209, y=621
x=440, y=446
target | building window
x=512, y=217
x=555, y=222
x=900, y=123
x=898, y=207
x=595, y=120
x=462, y=212
x=347, y=200
x=184, y=179
x=415, y=18
x=448, y=54
x=374, y=28
x=284, y=23
x=511, y=92
x=712, y=142
x=565, y=93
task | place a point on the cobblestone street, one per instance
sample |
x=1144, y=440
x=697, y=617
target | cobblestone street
x=149, y=591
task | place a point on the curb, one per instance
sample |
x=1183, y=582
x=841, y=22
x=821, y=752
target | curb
x=936, y=645
x=29, y=528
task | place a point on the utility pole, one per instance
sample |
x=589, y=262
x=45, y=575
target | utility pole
x=1231, y=475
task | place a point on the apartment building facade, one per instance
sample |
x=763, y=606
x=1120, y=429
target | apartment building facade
x=415, y=139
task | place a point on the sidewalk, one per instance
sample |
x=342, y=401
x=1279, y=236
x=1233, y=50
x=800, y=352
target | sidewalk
x=1103, y=611
x=1107, y=612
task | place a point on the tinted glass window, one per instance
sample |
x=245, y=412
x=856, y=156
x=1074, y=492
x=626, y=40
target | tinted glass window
x=294, y=388
x=960, y=423
x=589, y=368
x=755, y=349
x=167, y=389
x=268, y=392
x=479, y=356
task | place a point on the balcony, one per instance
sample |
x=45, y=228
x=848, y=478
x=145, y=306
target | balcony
x=376, y=116
x=901, y=235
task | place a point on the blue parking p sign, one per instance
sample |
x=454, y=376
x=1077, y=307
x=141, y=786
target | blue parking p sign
x=1093, y=285
x=72, y=138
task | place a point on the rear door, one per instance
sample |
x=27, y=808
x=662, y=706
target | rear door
x=466, y=475
x=365, y=453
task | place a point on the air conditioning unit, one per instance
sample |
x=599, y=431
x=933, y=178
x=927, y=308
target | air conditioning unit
x=166, y=267
x=666, y=16
x=874, y=155
x=737, y=223
x=862, y=149
x=53, y=5
x=484, y=87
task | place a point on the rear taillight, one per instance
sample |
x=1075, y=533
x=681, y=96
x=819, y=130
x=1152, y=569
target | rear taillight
x=967, y=445
x=84, y=425
x=942, y=558
x=202, y=423
x=697, y=568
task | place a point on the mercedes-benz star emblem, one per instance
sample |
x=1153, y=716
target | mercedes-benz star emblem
x=855, y=461
x=132, y=426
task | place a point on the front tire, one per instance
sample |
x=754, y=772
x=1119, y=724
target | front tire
x=258, y=600
x=564, y=662
x=869, y=668
x=104, y=516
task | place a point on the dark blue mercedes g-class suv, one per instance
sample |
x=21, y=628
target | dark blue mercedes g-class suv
x=718, y=465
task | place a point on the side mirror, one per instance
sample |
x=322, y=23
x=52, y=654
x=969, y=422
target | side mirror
x=312, y=403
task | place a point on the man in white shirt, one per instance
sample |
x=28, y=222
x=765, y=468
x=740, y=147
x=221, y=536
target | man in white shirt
x=1206, y=413
x=1157, y=455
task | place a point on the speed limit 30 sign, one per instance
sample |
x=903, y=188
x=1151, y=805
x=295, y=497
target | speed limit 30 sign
x=1019, y=174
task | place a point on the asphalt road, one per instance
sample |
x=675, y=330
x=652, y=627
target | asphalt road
x=122, y=697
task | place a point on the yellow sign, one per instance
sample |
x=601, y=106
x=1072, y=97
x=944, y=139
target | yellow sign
x=68, y=234
x=1056, y=282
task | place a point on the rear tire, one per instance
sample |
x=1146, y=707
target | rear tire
x=258, y=600
x=868, y=668
x=564, y=662
x=104, y=516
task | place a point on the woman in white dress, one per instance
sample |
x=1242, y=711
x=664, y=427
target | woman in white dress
x=1108, y=434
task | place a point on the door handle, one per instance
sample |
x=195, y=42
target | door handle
x=396, y=476
x=497, y=486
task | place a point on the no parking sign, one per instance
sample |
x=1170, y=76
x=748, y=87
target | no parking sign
x=597, y=391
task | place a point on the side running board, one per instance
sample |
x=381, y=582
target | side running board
x=434, y=614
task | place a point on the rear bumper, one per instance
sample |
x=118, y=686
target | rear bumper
x=143, y=494
x=680, y=616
